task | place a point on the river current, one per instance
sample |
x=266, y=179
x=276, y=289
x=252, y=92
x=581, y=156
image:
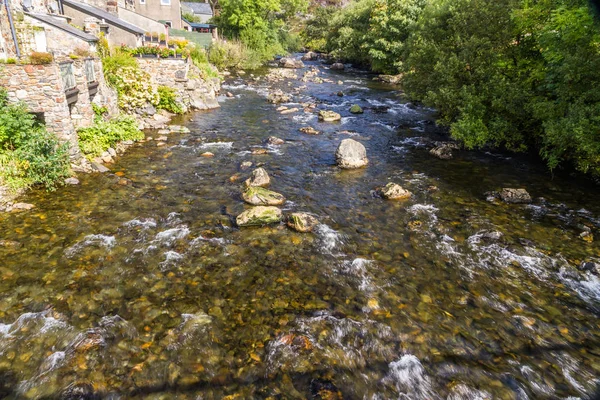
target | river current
x=136, y=283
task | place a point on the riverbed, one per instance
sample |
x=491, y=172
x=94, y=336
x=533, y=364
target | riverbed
x=137, y=283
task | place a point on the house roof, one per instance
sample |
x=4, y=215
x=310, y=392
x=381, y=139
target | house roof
x=199, y=8
x=55, y=22
x=103, y=15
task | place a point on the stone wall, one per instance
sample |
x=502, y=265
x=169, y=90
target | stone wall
x=183, y=76
x=41, y=89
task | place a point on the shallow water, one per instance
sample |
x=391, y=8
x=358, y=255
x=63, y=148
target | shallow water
x=146, y=290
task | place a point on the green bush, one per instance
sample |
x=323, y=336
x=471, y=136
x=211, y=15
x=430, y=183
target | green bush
x=232, y=54
x=29, y=155
x=200, y=59
x=40, y=58
x=95, y=140
x=168, y=100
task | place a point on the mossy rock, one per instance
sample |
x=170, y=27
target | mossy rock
x=259, y=216
x=258, y=196
x=302, y=222
x=356, y=109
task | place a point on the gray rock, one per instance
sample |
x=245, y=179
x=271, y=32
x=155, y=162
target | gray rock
x=338, y=67
x=302, y=222
x=351, y=154
x=99, y=167
x=258, y=178
x=22, y=206
x=149, y=110
x=112, y=152
x=288, y=62
x=310, y=56
x=258, y=196
x=590, y=266
x=259, y=216
x=442, y=152
x=514, y=196
x=275, y=141
x=72, y=181
x=245, y=165
x=393, y=191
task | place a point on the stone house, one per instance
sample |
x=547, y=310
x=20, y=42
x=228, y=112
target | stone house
x=165, y=11
x=96, y=20
x=201, y=11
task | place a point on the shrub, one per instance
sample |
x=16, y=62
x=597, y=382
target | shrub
x=9, y=61
x=93, y=141
x=132, y=84
x=168, y=100
x=232, y=55
x=39, y=58
x=29, y=155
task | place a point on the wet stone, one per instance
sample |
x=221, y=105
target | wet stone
x=258, y=178
x=351, y=154
x=309, y=130
x=514, y=196
x=302, y=222
x=329, y=116
x=259, y=216
x=393, y=191
x=259, y=196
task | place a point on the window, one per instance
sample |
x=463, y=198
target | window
x=142, y=1
x=169, y=24
x=90, y=73
x=66, y=73
x=165, y=2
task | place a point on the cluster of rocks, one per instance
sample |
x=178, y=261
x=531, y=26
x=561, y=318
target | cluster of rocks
x=264, y=202
x=509, y=195
x=391, y=79
x=280, y=74
x=278, y=96
x=311, y=56
x=443, y=150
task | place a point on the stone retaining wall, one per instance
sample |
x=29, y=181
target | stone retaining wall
x=41, y=89
x=183, y=76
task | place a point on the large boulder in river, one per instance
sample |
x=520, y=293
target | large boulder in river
x=351, y=154
x=393, y=191
x=258, y=196
x=288, y=62
x=510, y=195
x=337, y=66
x=259, y=216
x=258, y=178
x=302, y=222
x=329, y=116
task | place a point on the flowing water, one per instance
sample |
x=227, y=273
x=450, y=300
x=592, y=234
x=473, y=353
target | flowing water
x=147, y=290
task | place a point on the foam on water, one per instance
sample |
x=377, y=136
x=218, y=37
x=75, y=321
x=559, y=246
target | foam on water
x=145, y=223
x=330, y=239
x=169, y=236
x=358, y=268
x=212, y=145
x=389, y=127
x=98, y=241
x=409, y=379
x=428, y=210
x=171, y=259
x=464, y=392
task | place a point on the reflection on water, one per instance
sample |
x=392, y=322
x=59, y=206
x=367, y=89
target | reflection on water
x=148, y=290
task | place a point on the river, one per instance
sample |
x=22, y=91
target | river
x=136, y=284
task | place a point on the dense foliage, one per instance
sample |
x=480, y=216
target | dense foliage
x=262, y=26
x=168, y=100
x=96, y=139
x=519, y=74
x=29, y=155
x=134, y=87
